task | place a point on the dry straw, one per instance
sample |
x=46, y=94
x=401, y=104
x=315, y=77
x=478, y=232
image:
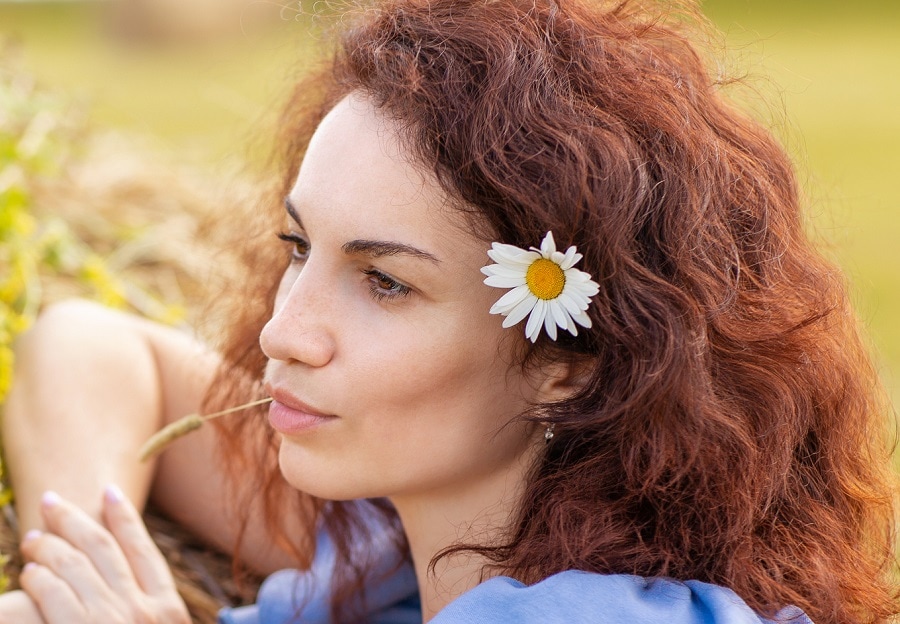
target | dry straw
x=171, y=432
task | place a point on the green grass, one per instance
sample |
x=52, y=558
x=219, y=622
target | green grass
x=204, y=101
x=831, y=66
x=825, y=65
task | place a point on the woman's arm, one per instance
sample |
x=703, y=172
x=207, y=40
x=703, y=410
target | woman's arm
x=88, y=389
x=91, y=385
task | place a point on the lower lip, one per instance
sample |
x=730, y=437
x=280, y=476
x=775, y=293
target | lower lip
x=285, y=419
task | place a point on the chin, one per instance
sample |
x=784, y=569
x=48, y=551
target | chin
x=320, y=479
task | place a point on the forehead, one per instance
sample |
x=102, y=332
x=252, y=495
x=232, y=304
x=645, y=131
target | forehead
x=357, y=170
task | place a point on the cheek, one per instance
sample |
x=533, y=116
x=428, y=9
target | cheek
x=451, y=379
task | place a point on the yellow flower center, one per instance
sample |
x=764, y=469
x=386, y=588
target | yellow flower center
x=545, y=279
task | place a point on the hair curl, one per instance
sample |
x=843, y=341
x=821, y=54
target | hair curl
x=730, y=428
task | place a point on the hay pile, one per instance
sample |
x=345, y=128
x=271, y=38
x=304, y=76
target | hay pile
x=158, y=226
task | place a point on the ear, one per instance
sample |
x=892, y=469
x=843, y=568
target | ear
x=562, y=380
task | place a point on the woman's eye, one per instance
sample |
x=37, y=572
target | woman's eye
x=384, y=286
x=300, y=246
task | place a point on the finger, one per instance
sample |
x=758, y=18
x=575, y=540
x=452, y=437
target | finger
x=74, y=525
x=54, y=598
x=17, y=607
x=146, y=561
x=69, y=565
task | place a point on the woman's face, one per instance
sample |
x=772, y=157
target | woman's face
x=390, y=378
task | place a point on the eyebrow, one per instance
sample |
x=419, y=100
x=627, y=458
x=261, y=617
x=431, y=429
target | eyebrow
x=292, y=210
x=373, y=248
x=377, y=249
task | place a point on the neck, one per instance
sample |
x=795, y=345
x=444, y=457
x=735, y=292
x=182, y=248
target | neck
x=480, y=513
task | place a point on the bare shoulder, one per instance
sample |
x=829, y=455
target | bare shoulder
x=125, y=374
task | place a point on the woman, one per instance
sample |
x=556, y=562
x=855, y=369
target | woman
x=673, y=419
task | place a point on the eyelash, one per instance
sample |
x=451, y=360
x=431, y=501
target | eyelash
x=296, y=241
x=381, y=285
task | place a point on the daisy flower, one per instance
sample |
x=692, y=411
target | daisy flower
x=545, y=287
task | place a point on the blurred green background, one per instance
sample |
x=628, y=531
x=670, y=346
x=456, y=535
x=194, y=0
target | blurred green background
x=825, y=72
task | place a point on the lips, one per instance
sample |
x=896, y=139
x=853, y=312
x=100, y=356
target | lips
x=290, y=415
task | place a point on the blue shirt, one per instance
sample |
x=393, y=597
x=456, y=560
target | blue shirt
x=569, y=597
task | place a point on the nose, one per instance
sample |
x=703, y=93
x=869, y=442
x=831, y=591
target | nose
x=300, y=327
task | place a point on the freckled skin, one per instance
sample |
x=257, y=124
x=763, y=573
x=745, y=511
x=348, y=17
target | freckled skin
x=422, y=384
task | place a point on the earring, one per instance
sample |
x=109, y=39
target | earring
x=548, y=434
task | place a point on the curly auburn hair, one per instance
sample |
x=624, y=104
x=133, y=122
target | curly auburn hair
x=731, y=428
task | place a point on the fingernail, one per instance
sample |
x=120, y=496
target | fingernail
x=114, y=493
x=29, y=566
x=32, y=534
x=50, y=498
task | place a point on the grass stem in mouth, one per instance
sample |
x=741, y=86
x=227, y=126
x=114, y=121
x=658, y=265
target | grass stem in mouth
x=174, y=430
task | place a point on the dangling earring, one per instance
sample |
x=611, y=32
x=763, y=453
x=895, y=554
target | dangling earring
x=548, y=434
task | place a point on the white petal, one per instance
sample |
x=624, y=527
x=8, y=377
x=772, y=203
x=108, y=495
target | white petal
x=534, y=335
x=572, y=304
x=550, y=325
x=560, y=316
x=558, y=257
x=581, y=279
x=548, y=245
x=505, y=271
x=506, y=249
x=571, y=257
x=520, y=311
x=578, y=276
x=511, y=255
x=498, y=281
x=510, y=300
x=571, y=326
x=573, y=293
x=586, y=288
x=535, y=320
x=582, y=319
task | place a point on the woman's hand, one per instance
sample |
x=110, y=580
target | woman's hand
x=80, y=572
